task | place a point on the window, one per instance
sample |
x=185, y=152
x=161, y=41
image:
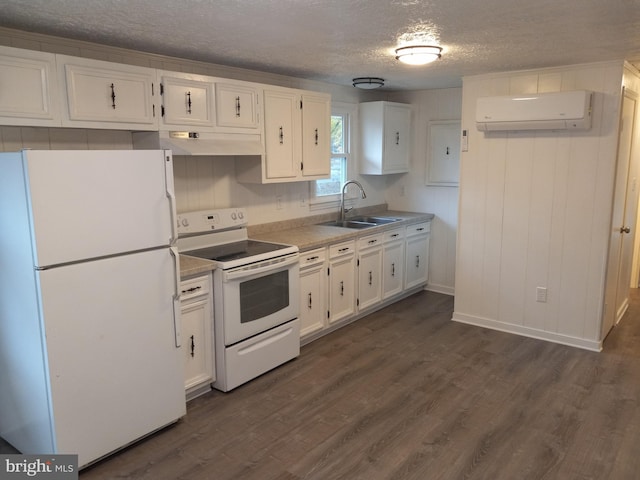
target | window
x=328, y=190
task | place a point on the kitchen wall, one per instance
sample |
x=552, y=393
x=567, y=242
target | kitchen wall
x=535, y=211
x=409, y=192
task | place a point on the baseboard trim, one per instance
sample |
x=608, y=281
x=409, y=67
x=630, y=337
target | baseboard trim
x=445, y=289
x=583, y=343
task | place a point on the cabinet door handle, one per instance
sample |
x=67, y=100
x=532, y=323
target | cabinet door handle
x=393, y=269
x=189, y=103
x=316, y=136
x=370, y=278
x=193, y=346
x=310, y=301
x=342, y=289
x=397, y=138
x=281, y=136
x=113, y=96
x=237, y=106
x=417, y=261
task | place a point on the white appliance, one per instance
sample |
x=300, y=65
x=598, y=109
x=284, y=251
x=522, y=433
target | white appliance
x=255, y=292
x=89, y=300
x=538, y=111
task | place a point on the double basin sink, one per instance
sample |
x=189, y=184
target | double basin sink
x=362, y=222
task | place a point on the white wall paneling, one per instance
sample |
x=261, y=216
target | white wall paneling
x=409, y=192
x=535, y=211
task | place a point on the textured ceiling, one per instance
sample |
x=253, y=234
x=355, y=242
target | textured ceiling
x=336, y=40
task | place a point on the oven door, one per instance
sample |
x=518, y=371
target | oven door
x=257, y=297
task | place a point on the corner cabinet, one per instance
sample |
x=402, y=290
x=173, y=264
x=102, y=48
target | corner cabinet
x=296, y=137
x=385, y=137
x=107, y=95
x=28, y=88
x=197, y=335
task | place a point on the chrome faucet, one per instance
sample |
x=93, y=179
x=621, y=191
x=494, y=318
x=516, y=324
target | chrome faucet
x=344, y=210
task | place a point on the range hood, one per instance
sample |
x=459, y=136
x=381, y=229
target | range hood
x=201, y=143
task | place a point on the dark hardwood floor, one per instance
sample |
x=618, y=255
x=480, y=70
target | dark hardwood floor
x=405, y=393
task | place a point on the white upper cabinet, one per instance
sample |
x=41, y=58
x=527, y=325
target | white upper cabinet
x=28, y=88
x=316, y=136
x=296, y=138
x=187, y=101
x=237, y=106
x=107, y=95
x=385, y=134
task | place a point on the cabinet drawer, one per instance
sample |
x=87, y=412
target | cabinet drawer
x=312, y=258
x=394, y=235
x=341, y=249
x=194, y=287
x=370, y=241
x=418, y=229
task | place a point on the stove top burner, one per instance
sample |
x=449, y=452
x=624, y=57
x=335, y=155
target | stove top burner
x=234, y=251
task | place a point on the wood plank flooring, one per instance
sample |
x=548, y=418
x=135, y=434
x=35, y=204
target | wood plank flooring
x=407, y=394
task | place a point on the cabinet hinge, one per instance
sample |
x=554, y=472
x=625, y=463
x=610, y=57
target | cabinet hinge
x=152, y=89
x=300, y=104
x=154, y=110
x=328, y=314
x=357, y=302
x=328, y=270
x=161, y=89
x=162, y=110
x=301, y=167
x=358, y=263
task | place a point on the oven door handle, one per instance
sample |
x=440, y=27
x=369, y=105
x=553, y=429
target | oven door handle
x=258, y=269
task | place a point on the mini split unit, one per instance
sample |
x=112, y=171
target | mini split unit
x=540, y=111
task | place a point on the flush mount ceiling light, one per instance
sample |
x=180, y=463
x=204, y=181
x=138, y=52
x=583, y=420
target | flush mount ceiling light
x=418, y=54
x=368, y=83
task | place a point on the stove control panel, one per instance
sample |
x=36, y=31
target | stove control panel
x=211, y=220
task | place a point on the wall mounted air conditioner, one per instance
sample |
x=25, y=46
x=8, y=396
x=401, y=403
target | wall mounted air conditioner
x=539, y=111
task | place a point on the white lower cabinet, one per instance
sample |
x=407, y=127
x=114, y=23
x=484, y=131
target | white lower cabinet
x=393, y=263
x=363, y=274
x=342, y=298
x=369, y=271
x=313, y=291
x=417, y=257
x=197, y=334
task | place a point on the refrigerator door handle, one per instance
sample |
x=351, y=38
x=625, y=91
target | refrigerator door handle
x=171, y=194
x=176, y=297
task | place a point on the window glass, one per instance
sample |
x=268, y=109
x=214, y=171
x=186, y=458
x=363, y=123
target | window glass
x=326, y=189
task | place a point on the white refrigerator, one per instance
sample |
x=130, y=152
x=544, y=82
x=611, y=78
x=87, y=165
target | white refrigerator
x=89, y=300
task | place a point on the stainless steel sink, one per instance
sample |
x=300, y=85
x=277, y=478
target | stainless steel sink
x=362, y=222
x=375, y=219
x=349, y=224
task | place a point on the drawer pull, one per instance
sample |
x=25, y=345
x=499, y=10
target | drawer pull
x=192, y=289
x=371, y=242
x=315, y=257
x=345, y=249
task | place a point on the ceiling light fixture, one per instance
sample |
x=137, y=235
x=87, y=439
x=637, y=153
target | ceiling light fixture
x=418, y=54
x=368, y=83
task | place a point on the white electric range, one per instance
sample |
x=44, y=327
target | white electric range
x=256, y=290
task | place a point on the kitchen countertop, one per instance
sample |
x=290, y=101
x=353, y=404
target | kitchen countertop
x=190, y=266
x=307, y=237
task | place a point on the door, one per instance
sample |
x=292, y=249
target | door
x=342, y=288
x=313, y=292
x=281, y=135
x=316, y=141
x=623, y=222
x=393, y=269
x=237, y=106
x=115, y=372
x=187, y=101
x=91, y=204
x=369, y=277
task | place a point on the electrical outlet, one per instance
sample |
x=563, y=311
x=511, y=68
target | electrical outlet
x=279, y=202
x=541, y=294
x=303, y=201
x=402, y=191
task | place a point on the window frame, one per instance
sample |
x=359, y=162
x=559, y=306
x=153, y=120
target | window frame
x=350, y=113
